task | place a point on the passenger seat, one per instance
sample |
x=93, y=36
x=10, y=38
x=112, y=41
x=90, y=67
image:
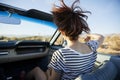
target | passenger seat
x=107, y=71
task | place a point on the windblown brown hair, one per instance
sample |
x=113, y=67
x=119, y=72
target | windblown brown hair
x=70, y=20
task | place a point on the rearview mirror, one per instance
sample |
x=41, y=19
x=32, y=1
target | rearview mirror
x=9, y=20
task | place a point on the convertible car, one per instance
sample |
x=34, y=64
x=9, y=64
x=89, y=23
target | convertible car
x=24, y=52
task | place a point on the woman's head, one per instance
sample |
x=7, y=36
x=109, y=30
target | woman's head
x=70, y=20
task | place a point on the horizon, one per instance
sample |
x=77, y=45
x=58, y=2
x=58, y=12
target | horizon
x=26, y=35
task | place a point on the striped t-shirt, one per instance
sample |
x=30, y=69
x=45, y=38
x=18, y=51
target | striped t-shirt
x=71, y=63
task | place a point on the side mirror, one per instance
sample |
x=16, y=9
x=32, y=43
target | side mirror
x=9, y=20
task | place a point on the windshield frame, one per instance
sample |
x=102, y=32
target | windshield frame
x=33, y=14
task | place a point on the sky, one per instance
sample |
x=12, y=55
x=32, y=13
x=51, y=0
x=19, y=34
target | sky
x=105, y=17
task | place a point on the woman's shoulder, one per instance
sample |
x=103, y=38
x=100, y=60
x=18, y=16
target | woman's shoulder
x=94, y=44
x=64, y=50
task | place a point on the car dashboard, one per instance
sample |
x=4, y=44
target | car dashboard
x=21, y=50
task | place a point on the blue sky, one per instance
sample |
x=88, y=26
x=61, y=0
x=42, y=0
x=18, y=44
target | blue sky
x=105, y=17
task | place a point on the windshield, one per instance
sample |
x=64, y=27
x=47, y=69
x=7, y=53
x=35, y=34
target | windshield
x=29, y=29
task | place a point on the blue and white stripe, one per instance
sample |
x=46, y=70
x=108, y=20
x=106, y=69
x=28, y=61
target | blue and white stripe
x=71, y=63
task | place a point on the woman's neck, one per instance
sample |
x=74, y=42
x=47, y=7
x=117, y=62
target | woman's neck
x=72, y=43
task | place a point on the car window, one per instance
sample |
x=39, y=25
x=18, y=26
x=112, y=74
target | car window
x=28, y=29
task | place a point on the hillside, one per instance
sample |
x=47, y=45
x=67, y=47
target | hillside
x=111, y=44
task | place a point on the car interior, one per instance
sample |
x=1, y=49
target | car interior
x=24, y=55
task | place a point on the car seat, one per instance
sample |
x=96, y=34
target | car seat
x=116, y=61
x=107, y=71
